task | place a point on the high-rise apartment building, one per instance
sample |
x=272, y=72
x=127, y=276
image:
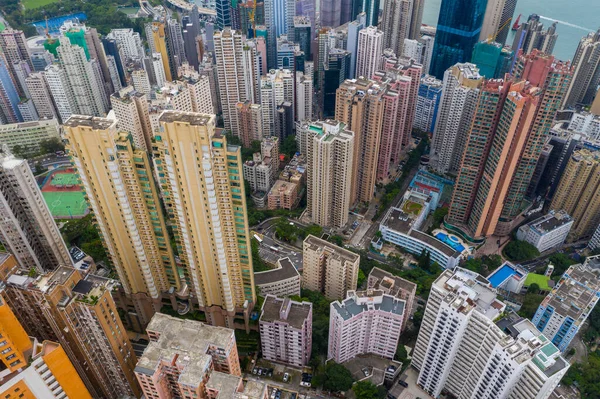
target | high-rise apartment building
x=40, y=95
x=127, y=210
x=14, y=47
x=131, y=110
x=586, y=75
x=62, y=92
x=395, y=286
x=532, y=36
x=497, y=20
x=159, y=69
x=465, y=349
x=396, y=24
x=566, y=308
x=129, y=41
x=416, y=20
x=458, y=29
x=232, y=75
x=328, y=268
x=156, y=32
x=190, y=353
x=276, y=87
x=9, y=95
x=492, y=59
x=33, y=368
x=360, y=106
x=428, y=103
x=370, y=48
x=286, y=331
x=366, y=322
x=84, y=77
x=27, y=228
x=578, y=192
x=502, y=120
x=304, y=97
x=250, y=117
x=421, y=50
x=460, y=93
x=206, y=205
x=81, y=315
x=330, y=162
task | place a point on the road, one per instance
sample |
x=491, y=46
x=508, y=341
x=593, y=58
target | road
x=282, y=249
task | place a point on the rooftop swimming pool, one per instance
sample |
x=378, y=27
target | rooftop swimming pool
x=501, y=275
x=450, y=240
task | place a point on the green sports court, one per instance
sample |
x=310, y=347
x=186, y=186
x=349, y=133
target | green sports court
x=64, y=195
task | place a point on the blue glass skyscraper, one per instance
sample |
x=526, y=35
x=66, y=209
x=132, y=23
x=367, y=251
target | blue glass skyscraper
x=458, y=29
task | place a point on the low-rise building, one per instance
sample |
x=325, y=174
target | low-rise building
x=286, y=331
x=393, y=285
x=283, y=281
x=548, y=231
x=566, y=308
x=401, y=226
x=327, y=268
x=28, y=135
x=365, y=322
x=283, y=195
x=189, y=354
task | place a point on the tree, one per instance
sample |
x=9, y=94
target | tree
x=258, y=264
x=561, y=263
x=530, y=304
x=286, y=231
x=51, y=145
x=401, y=354
x=289, y=146
x=533, y=288
x=438, y=216
x=313, y=229
x=586, y=376
x=368, y=390
x=334, y=377
x=361, y=278
x=520, y=251
x=95, y=250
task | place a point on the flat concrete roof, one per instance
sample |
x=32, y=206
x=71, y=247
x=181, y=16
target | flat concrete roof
x=285, y=270
x=286, y=311
x=94, y=122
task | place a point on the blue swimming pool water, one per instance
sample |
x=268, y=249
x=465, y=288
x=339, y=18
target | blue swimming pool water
x=501, y=275
x=446, y=240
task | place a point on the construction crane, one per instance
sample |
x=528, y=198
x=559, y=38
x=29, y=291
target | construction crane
x=492, y=38
x=251, y=17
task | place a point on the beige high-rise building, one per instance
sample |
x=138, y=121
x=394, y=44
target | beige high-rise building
x=131, y=110
x=360, y=105
x=396, y=23
x=27, y=229
x=251, y=122
x=124, y=199
x=329, y=269
x=156, y=31
x=330, y=163
x=81, y=315
x=578, y=193
x=203, y=188
x=368, y=53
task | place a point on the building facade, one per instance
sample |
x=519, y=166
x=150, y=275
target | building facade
x=283, y=281
x=548, y=231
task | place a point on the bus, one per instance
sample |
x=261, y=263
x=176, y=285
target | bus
x=258, y=238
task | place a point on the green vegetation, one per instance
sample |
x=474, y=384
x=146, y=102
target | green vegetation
x=561, y=263
x=247, y=343
x=520, y=251
x=412, y=207
x=289, y=147
x=192, y=315
x=255, y=216
x=368, y=390
x=51, y=145
x=285, y=231
x=83, y=233
x=393, y=189
x=333, y=377
x=538, y=280
x=484, y=265
x=361, y=278
x=530, y=304
x=592, y=333
x=258, y=264
x=586, y=376
x=438, y=216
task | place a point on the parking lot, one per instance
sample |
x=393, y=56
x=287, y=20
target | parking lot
x=369, y=367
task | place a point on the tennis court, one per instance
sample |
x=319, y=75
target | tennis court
x=66, y=204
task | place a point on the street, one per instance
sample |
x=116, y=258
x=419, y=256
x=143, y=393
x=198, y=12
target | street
x=271, y=249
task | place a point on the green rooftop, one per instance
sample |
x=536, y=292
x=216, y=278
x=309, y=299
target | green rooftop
x=539, y=279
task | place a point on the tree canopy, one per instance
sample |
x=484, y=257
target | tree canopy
x=520, y=251
x=334, y=377
x=368, y=390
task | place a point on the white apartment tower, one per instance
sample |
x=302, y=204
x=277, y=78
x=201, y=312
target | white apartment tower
x=40, y=95
x=27, y=229
x=459, y=99
x=130, y=42
x=131, y=110
x=462, y=349
x=85, y=81
x=286, y=331
x=61, y=91
x=304, y=97
x=369, y=51
x=159, y=69
x=232, y=74
x=329, y=153
x=366, y=322
x=276, y=87
x=396, y=23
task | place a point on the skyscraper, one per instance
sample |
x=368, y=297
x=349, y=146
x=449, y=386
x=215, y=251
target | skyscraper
x=214, y=244
x=14, y=47
x=416, y=20
x=131, y=110
x=371, y=8
x=330, y=162
x=40, y=95
x=304, y=97
x=9, y=96
x=27, y=228
x=232, y=75
x=396, y=25
x=586, y=76
x=428, y=103
x=127, y=211
x=459, y=99
x=492, y=59
x=156, y=33
x=62, y=92
x=466, y=349
x=496, y=23
x=458, y=29
x=531, y=36
x=250, y=117
x=578, y=193
x=360, y=106
x=370, y=48
x=330, y=13
x=276, y=87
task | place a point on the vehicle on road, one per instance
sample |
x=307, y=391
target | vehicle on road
x=258, y=238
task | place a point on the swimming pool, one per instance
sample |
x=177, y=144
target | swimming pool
x=452, y=241
x=501, y=275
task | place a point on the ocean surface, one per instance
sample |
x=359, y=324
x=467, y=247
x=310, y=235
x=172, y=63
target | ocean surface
x=575, y=19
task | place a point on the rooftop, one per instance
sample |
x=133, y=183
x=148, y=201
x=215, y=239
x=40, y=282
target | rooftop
x=225, y=384
x=94, y=122
x=577, y=290
x=550, y=222
x=285, y=270
x=285, y=310
x=358, y=302
x=317, y=244
x=390, y=283
x=193, y=118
